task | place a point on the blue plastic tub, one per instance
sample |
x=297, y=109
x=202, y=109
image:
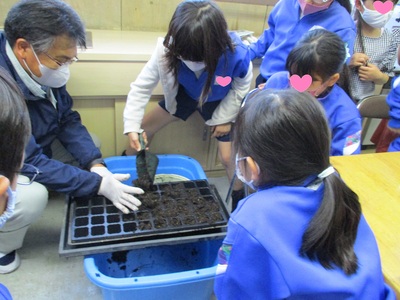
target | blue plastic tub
x=183, y=271
x=168, y=164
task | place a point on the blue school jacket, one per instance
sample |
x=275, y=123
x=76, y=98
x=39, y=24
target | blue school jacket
x=343, y=116
x=233, y=64
x=286, y=28
x=393, y=100
x=260, y=259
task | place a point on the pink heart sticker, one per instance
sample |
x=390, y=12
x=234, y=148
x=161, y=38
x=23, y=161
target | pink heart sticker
x=301, y=84
x=383, y=7
x=223, y=81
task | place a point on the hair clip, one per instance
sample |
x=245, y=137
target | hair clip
x=346, y=47
x=325, y=173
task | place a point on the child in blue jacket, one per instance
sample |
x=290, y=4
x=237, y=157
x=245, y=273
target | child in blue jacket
x=321, y=54
x=289, y=20
x=302, y=234
x=393, y=100
x=201, y=67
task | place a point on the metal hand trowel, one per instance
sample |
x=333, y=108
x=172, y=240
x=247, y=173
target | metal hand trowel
x=146, y=166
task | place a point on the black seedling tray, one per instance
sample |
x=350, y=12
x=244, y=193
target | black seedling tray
x=171, y=209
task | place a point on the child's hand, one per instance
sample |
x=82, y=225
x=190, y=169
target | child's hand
x=372, y=73
x=358, y=60
x=134, y=143
x=221, y=130
x=261, y=86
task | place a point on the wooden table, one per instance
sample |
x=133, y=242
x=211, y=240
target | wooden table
x=376, y=179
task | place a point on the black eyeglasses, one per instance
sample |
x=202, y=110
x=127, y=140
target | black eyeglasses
x=31, y=172
x=68, y=62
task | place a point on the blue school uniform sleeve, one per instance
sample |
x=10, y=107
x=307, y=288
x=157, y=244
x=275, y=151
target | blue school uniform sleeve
x=4, y=293
x=394, y=145
x=393, y=100
x=258, y=49
x=252, y=274
x=279, y=80
x=344, y=121
x=346, y=138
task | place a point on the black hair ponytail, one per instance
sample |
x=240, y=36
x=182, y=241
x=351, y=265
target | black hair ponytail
x=333, y=230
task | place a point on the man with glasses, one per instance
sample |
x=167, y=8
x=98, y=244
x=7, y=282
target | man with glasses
x=39, y=42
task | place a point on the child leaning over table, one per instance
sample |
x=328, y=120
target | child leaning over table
x=302, y=234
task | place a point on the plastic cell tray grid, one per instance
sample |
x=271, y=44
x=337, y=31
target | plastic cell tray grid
x=93, y=220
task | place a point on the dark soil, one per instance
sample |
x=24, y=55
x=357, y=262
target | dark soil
x=176, y=205
x=173, y=208
x=118, y=257
x=145, y=183
x=145, y=225
x=149, y=200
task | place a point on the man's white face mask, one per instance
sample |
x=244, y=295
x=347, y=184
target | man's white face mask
x=53, y=78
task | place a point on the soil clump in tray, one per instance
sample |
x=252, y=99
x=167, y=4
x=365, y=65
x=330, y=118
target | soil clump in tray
x=176, y=205
x=173, y=209
x=145, y=183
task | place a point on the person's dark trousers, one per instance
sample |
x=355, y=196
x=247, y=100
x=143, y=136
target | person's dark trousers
x=260, y=80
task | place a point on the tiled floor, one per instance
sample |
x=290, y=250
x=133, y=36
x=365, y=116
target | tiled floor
x=45, y=275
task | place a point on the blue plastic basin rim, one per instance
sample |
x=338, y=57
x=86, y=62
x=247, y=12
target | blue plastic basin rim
x=154, y=281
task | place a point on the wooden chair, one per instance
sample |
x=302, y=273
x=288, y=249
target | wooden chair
x=372, y=107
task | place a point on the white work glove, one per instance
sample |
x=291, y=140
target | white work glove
x=118, y=193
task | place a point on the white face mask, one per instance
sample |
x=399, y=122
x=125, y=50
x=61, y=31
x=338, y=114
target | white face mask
x=12, y=196
x=194, y=66
x=240, y=176
x=374, y=18
x=50, y=77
